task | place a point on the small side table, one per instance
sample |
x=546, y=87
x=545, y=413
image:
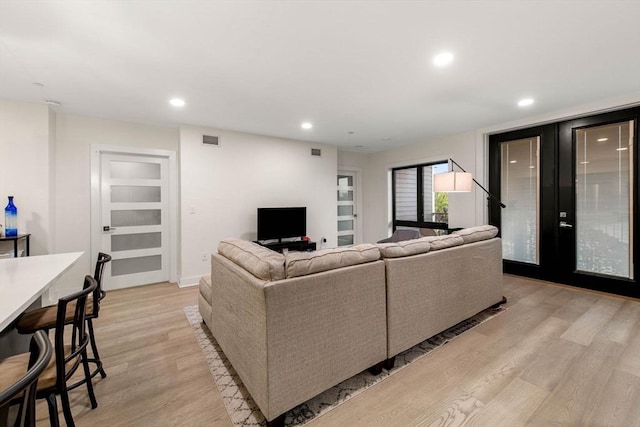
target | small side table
x=15, y=240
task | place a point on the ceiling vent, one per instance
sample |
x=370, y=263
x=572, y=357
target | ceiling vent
x=211, y=140
x=316, y=152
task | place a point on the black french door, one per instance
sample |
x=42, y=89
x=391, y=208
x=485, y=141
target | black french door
x=571, y=190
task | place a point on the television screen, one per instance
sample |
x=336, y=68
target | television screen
x=280, y=223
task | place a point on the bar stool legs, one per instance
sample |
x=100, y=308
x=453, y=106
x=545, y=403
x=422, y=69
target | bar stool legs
x=94, y=349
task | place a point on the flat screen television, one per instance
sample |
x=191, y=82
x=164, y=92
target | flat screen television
x=281, y=223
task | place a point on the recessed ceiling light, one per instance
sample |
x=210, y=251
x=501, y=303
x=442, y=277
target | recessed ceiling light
x=513, y=161
x=443, y=59
x=38, y=84
x=525, y=102
x=584, y=163
x=532, y=167
x=602, y=139
x=177, y=102
x=622, y=149
x=306, y=125
x=351, y=132
x=52, y=102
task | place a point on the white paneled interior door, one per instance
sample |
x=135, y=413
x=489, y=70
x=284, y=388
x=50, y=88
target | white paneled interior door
x=134, y=212
x=347, y=209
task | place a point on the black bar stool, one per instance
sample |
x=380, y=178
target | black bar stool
x=45, y=318
x=25, y=368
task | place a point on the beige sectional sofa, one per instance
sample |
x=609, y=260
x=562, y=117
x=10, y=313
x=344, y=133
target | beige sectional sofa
x=297, y=324
x=293, y=326
x=434, y=283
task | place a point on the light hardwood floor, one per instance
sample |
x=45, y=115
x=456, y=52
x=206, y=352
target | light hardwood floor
x=558, y=356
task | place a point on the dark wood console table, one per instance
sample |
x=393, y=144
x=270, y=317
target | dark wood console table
x=15, y=240
x=298, y=245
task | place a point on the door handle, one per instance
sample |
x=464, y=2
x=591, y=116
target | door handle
x=565, y=224
x=108, y=228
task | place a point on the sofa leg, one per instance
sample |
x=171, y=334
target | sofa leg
x=498, y=304
x=277, y=421
x=376, y=369
x=390, y=363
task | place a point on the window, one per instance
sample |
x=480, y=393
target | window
x=415, y=205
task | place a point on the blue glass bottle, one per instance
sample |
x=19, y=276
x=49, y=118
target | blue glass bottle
x=11, y=219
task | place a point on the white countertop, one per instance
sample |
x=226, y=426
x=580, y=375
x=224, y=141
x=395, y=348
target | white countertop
x=25, y=279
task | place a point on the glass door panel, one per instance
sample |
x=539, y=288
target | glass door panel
x=128, y=169
x=125, y=266
x=135, y=217
x=604, y=199
x=520, y=191
x=134, y=193
x=127, y=242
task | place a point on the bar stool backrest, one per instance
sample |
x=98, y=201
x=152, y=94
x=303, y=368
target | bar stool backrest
x=99, y=293
x=79, y=336
x=24, y=390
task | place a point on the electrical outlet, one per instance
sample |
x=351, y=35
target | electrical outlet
x=204, y=257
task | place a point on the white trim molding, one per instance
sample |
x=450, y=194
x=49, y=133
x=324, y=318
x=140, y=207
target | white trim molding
x=186, y=282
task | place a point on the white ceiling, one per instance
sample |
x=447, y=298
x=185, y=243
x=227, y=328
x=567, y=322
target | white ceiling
x=346, y=66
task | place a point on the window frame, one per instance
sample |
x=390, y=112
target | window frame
x=419, y=198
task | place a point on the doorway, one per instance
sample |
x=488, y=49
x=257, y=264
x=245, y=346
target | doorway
x=347, y=200
x=133, y=215
x=571, y=190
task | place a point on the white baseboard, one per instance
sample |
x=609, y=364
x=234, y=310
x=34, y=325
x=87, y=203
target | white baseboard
x=185, y=282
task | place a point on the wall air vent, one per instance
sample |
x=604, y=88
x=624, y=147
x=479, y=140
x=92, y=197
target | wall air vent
x=316, y=152
x=211, y=140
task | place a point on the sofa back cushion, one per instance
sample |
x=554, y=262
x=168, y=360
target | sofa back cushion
x=262, y=262
x=405, y=248
x=475, y=234
x=305, y=263
x=443, y=242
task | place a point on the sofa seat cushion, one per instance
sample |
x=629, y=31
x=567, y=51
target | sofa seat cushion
x=405, y=248
x=443, y=242
x=476, y=234
x=205, y=286
x=305, y=263
x=262, y=262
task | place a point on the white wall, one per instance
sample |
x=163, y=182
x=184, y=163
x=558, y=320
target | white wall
x=462, y=206
x=26, y=164
x=221, y=188
x=351, y=159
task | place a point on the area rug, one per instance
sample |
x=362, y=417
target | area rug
x=244, y=412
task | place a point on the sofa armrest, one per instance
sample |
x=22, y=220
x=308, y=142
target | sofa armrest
x=238, y=322
x=322, y=329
